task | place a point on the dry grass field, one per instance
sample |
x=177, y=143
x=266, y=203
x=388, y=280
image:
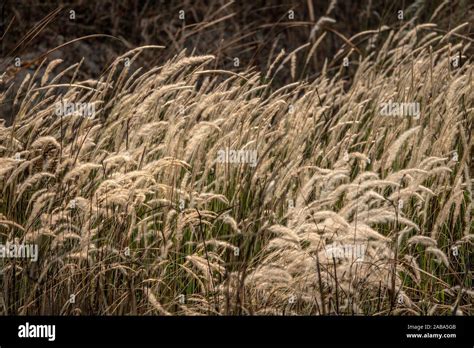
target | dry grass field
x=332, y=177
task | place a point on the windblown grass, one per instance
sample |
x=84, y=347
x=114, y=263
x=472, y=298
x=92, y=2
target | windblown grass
x=134, y=214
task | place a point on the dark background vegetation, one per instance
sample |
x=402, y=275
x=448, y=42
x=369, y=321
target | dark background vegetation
x=254, y=31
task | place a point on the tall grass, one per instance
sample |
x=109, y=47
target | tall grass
x=134, y=214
